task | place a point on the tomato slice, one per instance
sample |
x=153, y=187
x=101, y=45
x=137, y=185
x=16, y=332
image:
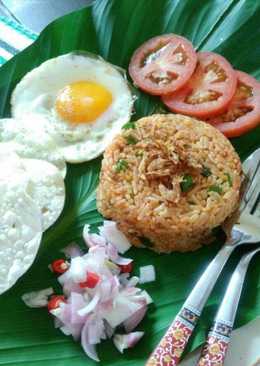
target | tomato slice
x=243, y=112
x=208, y=91
x=163, y=64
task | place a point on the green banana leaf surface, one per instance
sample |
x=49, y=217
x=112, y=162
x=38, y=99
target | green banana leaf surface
x=114, y=29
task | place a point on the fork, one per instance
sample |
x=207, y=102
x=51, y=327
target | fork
x=214, y=351
x=170, y=348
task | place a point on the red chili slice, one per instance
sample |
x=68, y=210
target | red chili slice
x=55, y=302
x=126, y=268
x=163, y=64
x=243, y=112
x=91, y=280
x=208, y=91
x=59, y=266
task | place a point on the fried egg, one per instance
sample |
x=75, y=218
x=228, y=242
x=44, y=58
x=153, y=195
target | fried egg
x=27, y=138
x=46, y=187
x=84, y=100
x=20, y=227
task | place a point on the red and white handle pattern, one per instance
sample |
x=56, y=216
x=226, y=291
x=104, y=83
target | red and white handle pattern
x=214, y=352
x=169, y=350
x=215, y=348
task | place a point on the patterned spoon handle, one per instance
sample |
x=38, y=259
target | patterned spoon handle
x=215, y=349
x=169, y=350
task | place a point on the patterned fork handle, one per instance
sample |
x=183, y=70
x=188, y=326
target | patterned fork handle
x=170, y=349
x=215, y=348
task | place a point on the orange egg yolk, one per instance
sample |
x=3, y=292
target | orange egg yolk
x=82, y=101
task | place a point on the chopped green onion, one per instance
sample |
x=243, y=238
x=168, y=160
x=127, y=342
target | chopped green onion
x=121, y=165
x=187, y=183
x=139, y=154
x=131, y=140
x=215, y=188
x=129, y=125
x=229, y=179
x=206, y=172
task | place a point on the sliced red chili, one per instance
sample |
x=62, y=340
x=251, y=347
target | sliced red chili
x=126, y=268
x=59, y=266
x=92, y=280
x=55, y=301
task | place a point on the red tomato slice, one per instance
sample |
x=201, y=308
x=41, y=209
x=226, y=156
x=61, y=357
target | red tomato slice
x=243, y=112
x=163, y=64
x=208, y=91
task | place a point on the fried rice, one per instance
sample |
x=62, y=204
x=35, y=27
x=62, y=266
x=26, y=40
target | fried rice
x=169, y=180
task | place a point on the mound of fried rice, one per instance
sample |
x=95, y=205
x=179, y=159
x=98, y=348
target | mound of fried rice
x=169, y=180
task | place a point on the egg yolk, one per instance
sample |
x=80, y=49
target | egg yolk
x=82, y=101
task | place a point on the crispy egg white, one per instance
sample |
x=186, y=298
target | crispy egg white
x=27, y=138
x=46, y=187
x=85, y=101
x=20, y=227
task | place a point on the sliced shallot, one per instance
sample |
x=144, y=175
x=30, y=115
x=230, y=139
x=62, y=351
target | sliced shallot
x=124, y=341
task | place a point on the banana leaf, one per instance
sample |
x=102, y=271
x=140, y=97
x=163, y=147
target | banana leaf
x=114, y=29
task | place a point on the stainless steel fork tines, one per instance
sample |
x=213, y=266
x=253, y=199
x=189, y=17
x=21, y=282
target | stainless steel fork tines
x=246, y=231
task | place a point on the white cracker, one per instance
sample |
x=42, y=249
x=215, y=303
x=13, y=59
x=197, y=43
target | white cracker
x=20, y=232
x=29, y=139
x=11, y=168
x=46, y=187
